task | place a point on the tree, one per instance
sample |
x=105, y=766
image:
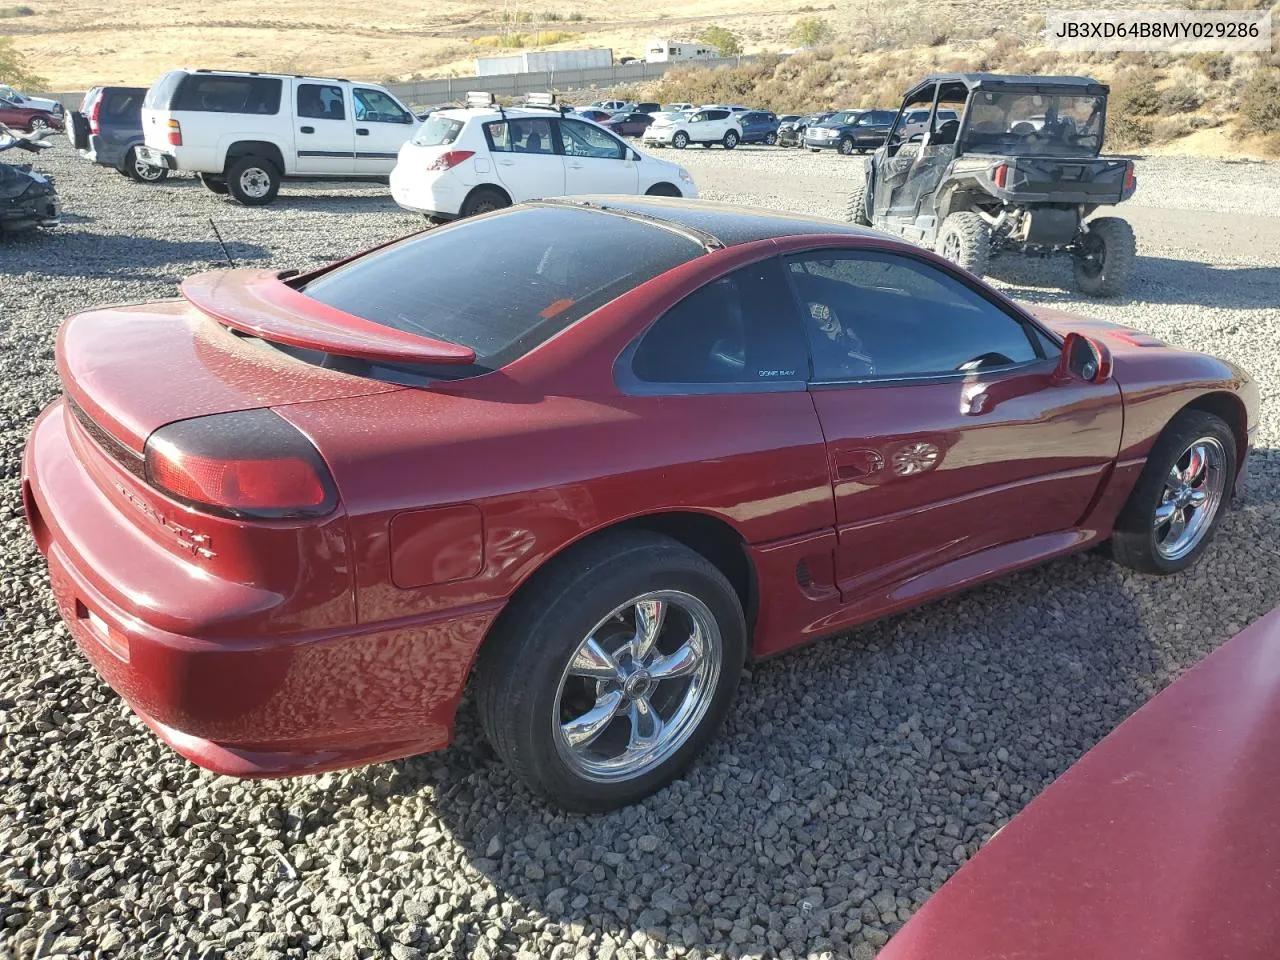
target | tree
x=810, y=31
x=13, y=71
x=725, y=42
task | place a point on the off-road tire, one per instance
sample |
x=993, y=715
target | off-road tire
x=1133, y=542
x=519, y=668
x=680, y=140
x=965, y=240
x=213, y=184
x=133, y=169
x=1119, y=251
x=247, y=165
x=855, y=210
x=483, y=200
x=846, y=147
x=730, y=140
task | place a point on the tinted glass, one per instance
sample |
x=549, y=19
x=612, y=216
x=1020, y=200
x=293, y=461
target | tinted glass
x=437, y=131
x=583, y=140
x=741, y=328
x=501, y=285
x=321, y=102
x=520, y=136
x=122, y=105
x=882, y=315
x=374, y=106
x=219, y=94
x=162, y=90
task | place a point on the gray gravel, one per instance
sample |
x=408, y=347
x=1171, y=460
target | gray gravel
x=852, y=779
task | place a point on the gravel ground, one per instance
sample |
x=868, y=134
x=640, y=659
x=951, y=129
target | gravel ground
x=853, y=777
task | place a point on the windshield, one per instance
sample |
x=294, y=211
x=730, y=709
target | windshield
x=543, y=268
x=841, y=118
x=437, y=131
x=1026, y=124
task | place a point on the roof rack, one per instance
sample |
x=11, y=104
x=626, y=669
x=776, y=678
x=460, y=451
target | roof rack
x=546, y=101
x=259, y=73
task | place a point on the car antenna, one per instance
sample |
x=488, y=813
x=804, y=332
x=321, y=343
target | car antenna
x=226, y=253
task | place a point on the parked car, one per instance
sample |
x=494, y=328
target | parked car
x=21, y=116
x=998, y=183
x=243, y=133
x=759, y=126
x=732, y=108
x=273, y=521
x=648, y=107
x=628, y=124
x=107, y=130
x=473, y=160
x=612, y=106
x=791, y=133
x=677, y=107
x=28, y=200
x=32, y=103
x=701, y=126
x=850, y=131
x=1182, y=796
x=594, y=115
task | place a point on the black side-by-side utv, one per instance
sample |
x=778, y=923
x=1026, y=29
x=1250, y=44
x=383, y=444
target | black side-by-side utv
x=1018, y=171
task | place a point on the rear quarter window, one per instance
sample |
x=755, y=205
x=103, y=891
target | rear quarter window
x=213, y=93
x=161, y=92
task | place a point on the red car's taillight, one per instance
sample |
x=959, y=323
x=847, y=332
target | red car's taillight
x=250, y=463
x=447, y=161
x=175, y=133
x=94, y=113
x=1130, y=178
x=1000, y=175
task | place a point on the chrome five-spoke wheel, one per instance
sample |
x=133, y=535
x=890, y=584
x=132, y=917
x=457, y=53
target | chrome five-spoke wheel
x=1191, y=497
x=637, y=686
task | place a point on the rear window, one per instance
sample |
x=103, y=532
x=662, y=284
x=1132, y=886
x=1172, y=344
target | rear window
x=543, y=268
x=437, y=131
x=162, y=91
x=122, y=104
x=225, y=94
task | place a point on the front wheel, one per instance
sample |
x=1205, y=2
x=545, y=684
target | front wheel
x=1174, y=508
x=141, y=172
x=37, y=124
x=680, y=140
x=730, y=140
x=253, y=181
x=846, y=147
x=1104, y=257
x=606, y=678
x=965, y=240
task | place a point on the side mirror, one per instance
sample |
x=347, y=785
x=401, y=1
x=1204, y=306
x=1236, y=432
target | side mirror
x=1082, y=359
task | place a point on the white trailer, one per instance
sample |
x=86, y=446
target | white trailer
x=672, y=51
x=544, y=61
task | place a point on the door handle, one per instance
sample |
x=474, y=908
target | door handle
x=307, y=130
x=507, y=163
x=856, y=464
x=575, y=166
x=362, y=131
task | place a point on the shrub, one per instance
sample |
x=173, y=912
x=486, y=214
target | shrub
x=1215, y=66
x=1136, y=94
x=1181, y=98
x=16, y=12
x=1260, y=101
x=725, y=42
x=14, y=72
x=1170, y=128
x=810, y=31
x=551, y=16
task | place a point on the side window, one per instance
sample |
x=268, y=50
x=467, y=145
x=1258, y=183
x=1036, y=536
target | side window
x=321, y=102
x=374, y=106
x=520, y=136
x=699, y=117
x=874, y=315
x=211, y=93
x=718, y=114
x=740, y=329
x=583, y=140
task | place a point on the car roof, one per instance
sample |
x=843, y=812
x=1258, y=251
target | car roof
x=719, y=224
x=988, y=81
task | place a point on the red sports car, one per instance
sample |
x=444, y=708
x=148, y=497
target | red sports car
x=587, y=456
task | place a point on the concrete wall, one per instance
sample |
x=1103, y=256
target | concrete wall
x=428, y=92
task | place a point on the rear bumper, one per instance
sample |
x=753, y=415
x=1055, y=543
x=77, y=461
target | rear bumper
x=252, y=706
x=156, y=158
x=103, y=152
x=440, y=195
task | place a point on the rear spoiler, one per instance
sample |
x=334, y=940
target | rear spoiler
x=260, y=303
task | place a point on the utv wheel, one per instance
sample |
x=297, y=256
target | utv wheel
x=730, y=140
x=141, y=172
x=846, y=147
x=770, y=139
x=483, y=200
x=1178, y=500
x=856, y=209
x=253, y=181
x=1104, y=259
x=965, y=241
x=680, y=140
x=214, y=184
x=604, y=682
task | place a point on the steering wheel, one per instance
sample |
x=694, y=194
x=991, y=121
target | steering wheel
x=992, y=359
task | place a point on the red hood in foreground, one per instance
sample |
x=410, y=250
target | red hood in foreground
x=1161, y=843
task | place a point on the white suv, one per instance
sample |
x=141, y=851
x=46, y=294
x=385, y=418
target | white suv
x=482, y=157
x=705, y=126
x=244, y=132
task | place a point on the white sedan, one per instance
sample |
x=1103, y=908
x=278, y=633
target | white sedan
x=480, y=158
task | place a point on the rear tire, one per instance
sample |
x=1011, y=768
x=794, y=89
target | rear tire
x=965, y=240
x=253, y=181
x=483, y=200
x=213, y=184
x=856, y=209
x=771, y=140
x=141, y=172
x=529, y=698
x=37, y=124
x=730, y=140
x=680, y=140
x=1103, y=266
x=1143, y=541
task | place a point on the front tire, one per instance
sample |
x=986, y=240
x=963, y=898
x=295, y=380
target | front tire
x=1177, y=503
x=604, y=681
x=141, y=172
x=965, y=240
x=37, y=124
x=663, y=190
x=846, y=147
x=253, y=181
x=1105, y=258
